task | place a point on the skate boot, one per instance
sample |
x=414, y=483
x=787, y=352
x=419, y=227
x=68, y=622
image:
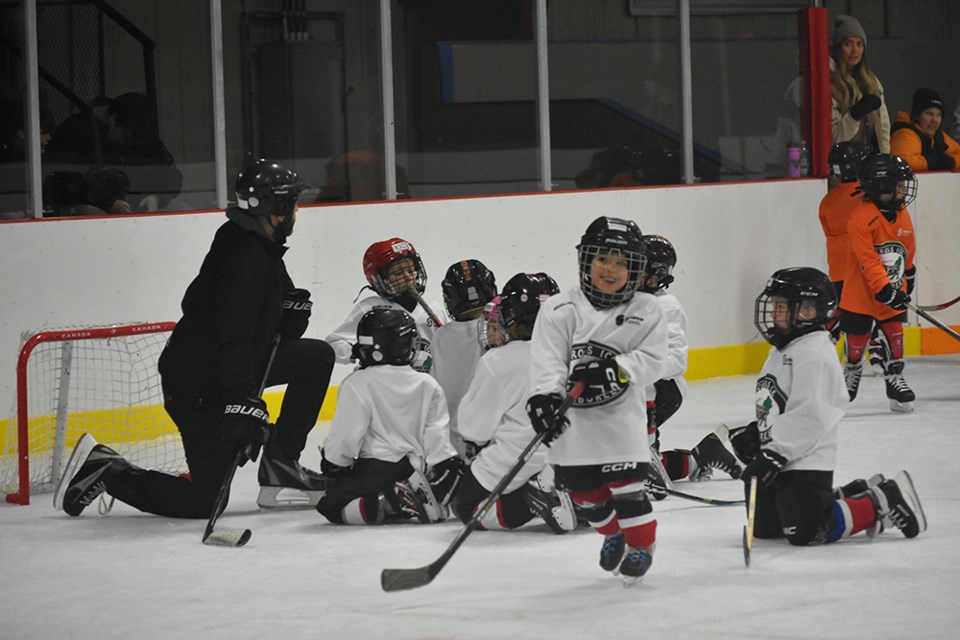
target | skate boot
x=611, y=553
x=636, y=563
x=84, y=479
x=898, y=391
x=286, y=484
x=711, y=454
x=896, y=502
x=554, y=507
x=851, y=375
x=415, y=499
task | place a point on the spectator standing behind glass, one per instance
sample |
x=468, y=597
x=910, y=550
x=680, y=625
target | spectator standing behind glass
x=918, y=138
x=859, y=111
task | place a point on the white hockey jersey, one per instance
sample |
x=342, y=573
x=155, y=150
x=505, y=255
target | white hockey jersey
x=345, y=336
x=676, y=364
x=568, y=330
x=456, y=351
x=800, y=399
x=494, y=411
x=387, y=412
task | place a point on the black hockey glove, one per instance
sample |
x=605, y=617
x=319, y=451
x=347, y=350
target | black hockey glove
x=894, y=298
x=765, y=466
x=296, y=313
x=911, y=277
x=472, y=449
x=542, y=410
x=600, y=377
x=329, y=469
x=865, y=105
x=745, y=441
x=444, y=477
x=246, y=425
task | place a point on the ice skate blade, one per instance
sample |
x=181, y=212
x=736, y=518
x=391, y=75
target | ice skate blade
x=629, y=581
x=287, y=498
x=901, y=407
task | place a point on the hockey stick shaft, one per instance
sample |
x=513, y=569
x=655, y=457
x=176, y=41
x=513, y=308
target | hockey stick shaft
x=668, y=483
x=426, y=307
x=938, y=307
x=926, y=316
x=234, y=537
x=714, y=501
x=403, y=579
x=751, y=518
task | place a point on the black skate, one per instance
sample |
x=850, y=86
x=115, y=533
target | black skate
x=900, y=394
x=84, y=479
x=415, y=499
x=851, y=375
x=612, y=552
x=554, y=507
x=711, y=454
x=284, y=483
x=636, y=563
x=896, y=502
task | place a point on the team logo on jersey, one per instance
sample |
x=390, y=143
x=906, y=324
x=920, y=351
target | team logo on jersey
x=894, y=258
x=595, y=395
x=423, y=360
x=769, y=396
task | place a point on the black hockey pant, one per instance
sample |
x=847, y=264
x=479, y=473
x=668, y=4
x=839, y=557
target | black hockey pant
x=798, y=506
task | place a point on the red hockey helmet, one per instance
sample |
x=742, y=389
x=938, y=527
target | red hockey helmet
x=391, y=266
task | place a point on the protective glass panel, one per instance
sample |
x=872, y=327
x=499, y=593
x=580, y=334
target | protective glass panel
x=13, y=153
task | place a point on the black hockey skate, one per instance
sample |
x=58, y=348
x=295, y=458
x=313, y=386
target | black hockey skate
x=851, y=375
x=284, y=483
x=611, y=553
x=554, y=507
x=636, y=563
x=898, y=391
x=711, y=454
x=84, y=479
x=415, y=499
x=896, y=502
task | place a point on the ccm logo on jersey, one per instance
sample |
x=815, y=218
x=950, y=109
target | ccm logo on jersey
x=618, y=466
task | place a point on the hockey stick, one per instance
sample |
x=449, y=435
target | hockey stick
x=938, y=307
x=234, y=537
x=426, y=307
x=402, y=579
x=926, y=316
x=668, y=483
x=751, y=515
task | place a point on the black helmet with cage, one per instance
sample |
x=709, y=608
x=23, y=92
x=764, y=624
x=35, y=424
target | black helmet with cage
x=386, y=336
x=847, y=158
x=661, y=259
x=795, y=301
x=888, y=182
x=611, y=236
x=520, y=302
x=467, y=288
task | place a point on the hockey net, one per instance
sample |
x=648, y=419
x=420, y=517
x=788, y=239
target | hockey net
x=101, y=380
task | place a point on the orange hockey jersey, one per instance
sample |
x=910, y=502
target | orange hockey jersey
x=880, y=253
x=835, y=211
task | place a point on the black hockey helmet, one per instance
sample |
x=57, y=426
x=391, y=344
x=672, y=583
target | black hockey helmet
x=810, y=301
x=520, y=303
x=607, y=236
x=267, y=188
x=467, y=287
x=661, y=259
x=386, y=336
x=888, y=182
x=846, y=159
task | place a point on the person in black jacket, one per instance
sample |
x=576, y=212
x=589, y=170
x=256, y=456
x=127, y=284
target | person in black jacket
x=213, y=366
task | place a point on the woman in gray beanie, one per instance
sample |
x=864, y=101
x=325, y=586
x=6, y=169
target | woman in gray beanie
x=859, y=111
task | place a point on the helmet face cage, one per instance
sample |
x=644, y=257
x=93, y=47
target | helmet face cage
x=267, y=188
x=381, y=256
x=661, y=259
x=520, y=303
x=888, y=175
x=847, y=159
x=611, y=237
x=467, y=287
x=804, y=294
x=386, y=336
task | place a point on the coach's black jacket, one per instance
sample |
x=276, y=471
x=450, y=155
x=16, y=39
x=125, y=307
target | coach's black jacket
x=231, y=311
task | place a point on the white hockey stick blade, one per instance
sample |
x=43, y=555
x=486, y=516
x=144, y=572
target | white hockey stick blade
x=228, y=537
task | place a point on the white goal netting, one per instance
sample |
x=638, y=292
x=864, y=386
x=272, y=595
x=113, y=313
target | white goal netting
x=100, y=380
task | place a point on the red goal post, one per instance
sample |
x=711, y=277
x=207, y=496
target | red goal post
x=101, y=380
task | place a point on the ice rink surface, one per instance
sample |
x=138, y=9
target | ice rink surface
x=134, y=576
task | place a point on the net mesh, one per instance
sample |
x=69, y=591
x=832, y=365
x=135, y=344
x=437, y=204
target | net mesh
x=108, y=387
